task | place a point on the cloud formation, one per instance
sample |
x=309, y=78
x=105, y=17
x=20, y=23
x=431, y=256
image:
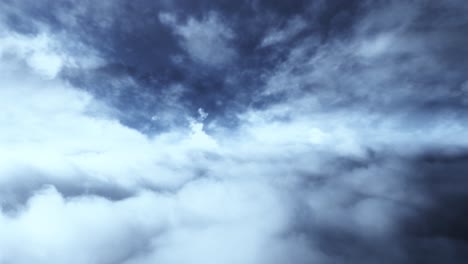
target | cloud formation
x=246, y=132
x=206, y=41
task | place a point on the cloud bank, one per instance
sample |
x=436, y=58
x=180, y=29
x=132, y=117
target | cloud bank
x=246, y=132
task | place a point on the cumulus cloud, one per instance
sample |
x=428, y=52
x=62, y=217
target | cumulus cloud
x=348, y=147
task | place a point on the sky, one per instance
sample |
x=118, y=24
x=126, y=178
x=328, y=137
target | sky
x=234, y=132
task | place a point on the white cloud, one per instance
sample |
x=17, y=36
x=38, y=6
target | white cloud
x=207, y=41
x=44, y=53
x=293, y=27
x=89, y=229
x=38, y=53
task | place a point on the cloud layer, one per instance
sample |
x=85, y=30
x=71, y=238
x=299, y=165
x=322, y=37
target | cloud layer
x=246, y=132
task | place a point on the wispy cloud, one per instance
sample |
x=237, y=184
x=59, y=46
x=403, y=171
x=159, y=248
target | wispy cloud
x=207, y=40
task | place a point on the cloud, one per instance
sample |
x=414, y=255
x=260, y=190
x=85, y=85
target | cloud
x=90, y=229
x=206, y=40
x=292, y=28
x=38, y=53
x=348, y=147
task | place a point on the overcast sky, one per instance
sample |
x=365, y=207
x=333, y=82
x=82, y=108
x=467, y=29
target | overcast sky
x=233, y=132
